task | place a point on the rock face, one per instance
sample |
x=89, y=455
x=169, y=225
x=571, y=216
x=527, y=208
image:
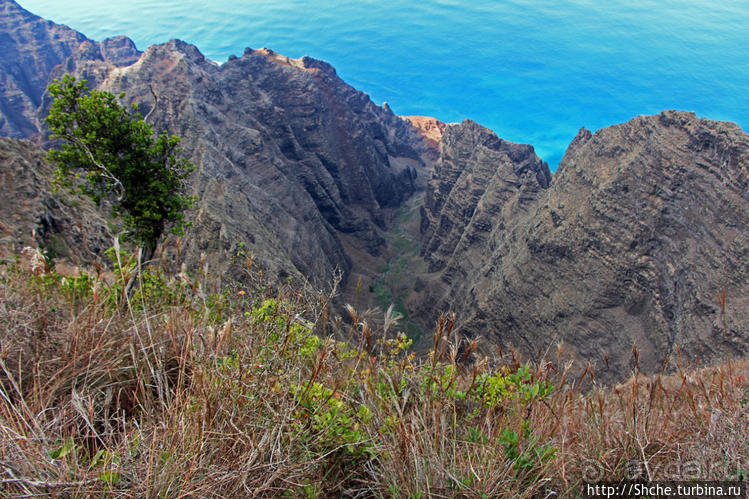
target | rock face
x=432, y=130
x=640, y=240
x=480, y=184
x=31, y=48
x=67, y=227
x=293, y=163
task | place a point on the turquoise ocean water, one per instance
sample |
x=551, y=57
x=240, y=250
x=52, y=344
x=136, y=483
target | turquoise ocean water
x=533, y=71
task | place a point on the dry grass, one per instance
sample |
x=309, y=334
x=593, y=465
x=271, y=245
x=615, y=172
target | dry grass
x=174, y=391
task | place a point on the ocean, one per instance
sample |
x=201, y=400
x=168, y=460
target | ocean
x=532, y=71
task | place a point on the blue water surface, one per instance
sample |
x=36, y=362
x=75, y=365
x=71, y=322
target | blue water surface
x=533, y=71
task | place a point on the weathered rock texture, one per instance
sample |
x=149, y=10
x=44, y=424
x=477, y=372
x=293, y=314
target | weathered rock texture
x=640, y=240
x=31, y=49
x=32, y=214
x=291, y=160
x=432, y=130
x=480, y=183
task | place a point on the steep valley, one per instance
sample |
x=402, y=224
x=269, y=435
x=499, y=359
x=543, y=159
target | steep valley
x=639, y=240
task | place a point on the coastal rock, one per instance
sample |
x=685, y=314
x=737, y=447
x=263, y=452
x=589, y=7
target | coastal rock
x=640, y=241
x=431, y=129
x=480, y=185
x=31, y=49
x=293, y=163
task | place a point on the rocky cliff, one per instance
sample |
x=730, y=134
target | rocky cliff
x=68, y=227
x=639, y=240
x=480, y=184
x=432, y=130
x=31, y=49
x=293, y=163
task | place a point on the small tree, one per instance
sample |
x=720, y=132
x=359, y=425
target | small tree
x=113, y=153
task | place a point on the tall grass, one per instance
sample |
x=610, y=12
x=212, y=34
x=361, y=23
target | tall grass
x=169, y=389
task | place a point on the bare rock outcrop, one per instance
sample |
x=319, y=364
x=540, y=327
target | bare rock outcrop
x=31, y=49
x=293, y=163
x=432, y=130
x=639, y=241
x=33, y=215
x=481, y=184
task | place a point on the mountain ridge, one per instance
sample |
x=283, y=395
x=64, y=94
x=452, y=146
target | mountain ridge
x=632, y=244
x=260, y=112
x=308, y=175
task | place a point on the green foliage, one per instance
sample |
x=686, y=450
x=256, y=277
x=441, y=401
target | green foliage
x=394, y=347
x=284, y=334
x=218, y=307
x=77, y=288
x=124, y=268
x=493, y=390
x=112, y=152
x=66, y=448
x=154, y=288
x=476, y=436
x=496, y=389
x=330, y=423
x=269, y=311
x=523, y=448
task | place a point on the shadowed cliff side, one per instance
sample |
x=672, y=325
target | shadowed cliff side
x=65, y=226
x=294, y=165
x=31, y=48
x=640, y=240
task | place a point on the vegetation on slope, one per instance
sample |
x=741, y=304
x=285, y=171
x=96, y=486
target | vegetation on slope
x=189, y=387
x=123, y=160
x=395, y=279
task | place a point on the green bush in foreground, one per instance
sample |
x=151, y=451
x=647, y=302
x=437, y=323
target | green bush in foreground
x=251, y=391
